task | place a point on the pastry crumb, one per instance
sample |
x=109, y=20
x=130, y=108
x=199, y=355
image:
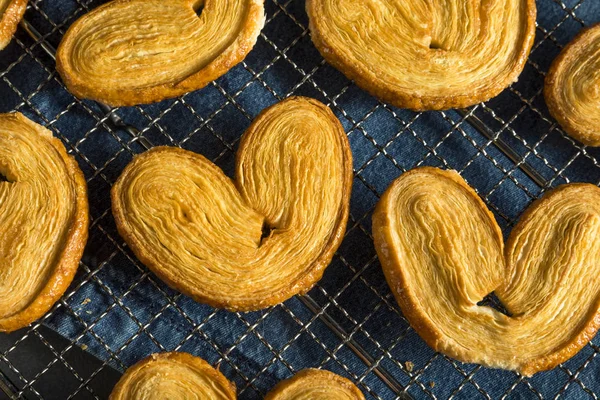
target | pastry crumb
x=409, y=366
x=432, y=384
x=84, y=347
x=86, y=301
x=88, y=312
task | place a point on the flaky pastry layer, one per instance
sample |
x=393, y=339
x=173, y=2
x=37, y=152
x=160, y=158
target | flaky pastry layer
x=43, y=220
x=176, y=376
x=315, y=384
x=253, y=242
x=173, y=376
x=572, y=87
x=424, y=54
x=442, y=252
x=129, y=52
x=11, y=12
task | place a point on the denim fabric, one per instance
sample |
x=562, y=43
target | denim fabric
x=131, y=314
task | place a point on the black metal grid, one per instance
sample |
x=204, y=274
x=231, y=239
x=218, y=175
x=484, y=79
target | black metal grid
x=511, y=138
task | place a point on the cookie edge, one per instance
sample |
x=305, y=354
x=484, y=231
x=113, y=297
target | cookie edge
x=66, y=267
x=10, y=21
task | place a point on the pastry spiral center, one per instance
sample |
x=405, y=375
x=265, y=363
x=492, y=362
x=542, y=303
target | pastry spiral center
x=572, y=87
x=175, y=381
x=173, y=376
x=312, y=384
x=580, y=88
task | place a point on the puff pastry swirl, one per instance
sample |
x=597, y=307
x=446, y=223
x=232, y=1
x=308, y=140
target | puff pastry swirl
x=129, y=52
x=176, y=376
x=255, y=242
x=315, y=384
x=426, y=54
x=11, y=12
x=43, y=220
x=572, y=87
x=442, y=252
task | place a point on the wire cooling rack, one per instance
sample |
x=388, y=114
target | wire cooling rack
x=509, y=148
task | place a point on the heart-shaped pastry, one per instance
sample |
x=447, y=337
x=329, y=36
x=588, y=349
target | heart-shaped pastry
x=43, y=220
x=426, y=54
x=442, y=252
x=11, y=12
x=177, y=375
x=129, y=52
x=315, y=384
x=255, y=242
x=572, y=87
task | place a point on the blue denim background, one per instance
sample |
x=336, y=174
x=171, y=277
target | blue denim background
x=131, y=314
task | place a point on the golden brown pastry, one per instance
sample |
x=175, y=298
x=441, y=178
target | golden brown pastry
x=11, y=12
x=253, y=242
x=572, y=87
x=426, y=55
x=173, y=376
x=315, y=384
x=43, y=220
x=176, y=376
x=442, y=252
x=129, y=52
